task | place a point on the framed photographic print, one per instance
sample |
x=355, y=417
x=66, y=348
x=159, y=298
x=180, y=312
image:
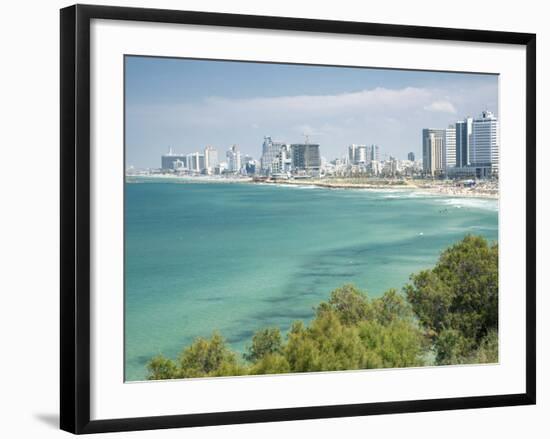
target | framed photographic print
x=268, y=218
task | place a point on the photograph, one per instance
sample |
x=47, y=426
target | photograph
x=265, y=220
x=287, y=218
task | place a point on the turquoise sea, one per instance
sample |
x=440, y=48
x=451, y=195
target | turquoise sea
x=238, y=257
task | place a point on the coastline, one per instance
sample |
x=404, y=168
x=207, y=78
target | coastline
x=190, y=179
x=442, y=189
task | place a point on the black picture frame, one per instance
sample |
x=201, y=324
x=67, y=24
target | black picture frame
x=75, y=217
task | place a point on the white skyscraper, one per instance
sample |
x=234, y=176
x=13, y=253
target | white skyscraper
x=484, y=149
x=195, y=161
x=450, y=147
x=210, y=157
x=233, y=159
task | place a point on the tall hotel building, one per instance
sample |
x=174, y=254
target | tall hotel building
x=450, y=147
x=484, y=151
x=463, y=141
x=195, y=162
x=210, y=157
x=433, y=151
x=270, y=152
x=477, y=147
x=373, y=153
x=357, y=154
x=363, y=154
x=306, y=157
x=233, y=159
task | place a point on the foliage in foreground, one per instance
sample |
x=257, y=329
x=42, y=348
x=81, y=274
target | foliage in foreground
x=448, y=315
x=457, y=301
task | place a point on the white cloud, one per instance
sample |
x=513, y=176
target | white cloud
x=312, y=110
x=441, y=107
x=391, y=117
x=344, y=103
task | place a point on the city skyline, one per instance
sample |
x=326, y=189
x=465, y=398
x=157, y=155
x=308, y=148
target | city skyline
x=187, y=105
x=468, y=148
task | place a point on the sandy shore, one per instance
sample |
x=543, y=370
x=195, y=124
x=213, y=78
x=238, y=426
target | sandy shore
x=444, y=189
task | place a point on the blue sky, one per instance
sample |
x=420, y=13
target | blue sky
x=188, y=104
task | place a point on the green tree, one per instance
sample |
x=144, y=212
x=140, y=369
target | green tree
x=452, y=347
x=301, y=352
x=338, y=345
x=326, y=344
x=487, y=351
x=457, y=301
x=161, y=368
x=270, y=364
x=397, y=344
x=265, y=341
x=207, y=357
x=391, y=307
x=350, y=332
x=349, y=303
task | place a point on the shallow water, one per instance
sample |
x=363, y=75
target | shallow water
x=239, y=257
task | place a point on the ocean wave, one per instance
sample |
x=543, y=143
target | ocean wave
x=291, y=185
x=410, y=195
x=471, y=203
x=451, y=201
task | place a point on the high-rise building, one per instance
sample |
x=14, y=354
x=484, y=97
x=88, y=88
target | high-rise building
x=463, y=140
x=410, y=156
x=210, y=157
x=375, y=153
x=357, y=154
x=433, y=143
x=306, y=157
x=450, y=147
x=195, y=162
x=233, y=159
x=168, y=160
x=351, y=154
x=485, y=142
x=270, y=149
x=283, y=161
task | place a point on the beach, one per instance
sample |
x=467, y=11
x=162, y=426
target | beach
x=440, y=187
